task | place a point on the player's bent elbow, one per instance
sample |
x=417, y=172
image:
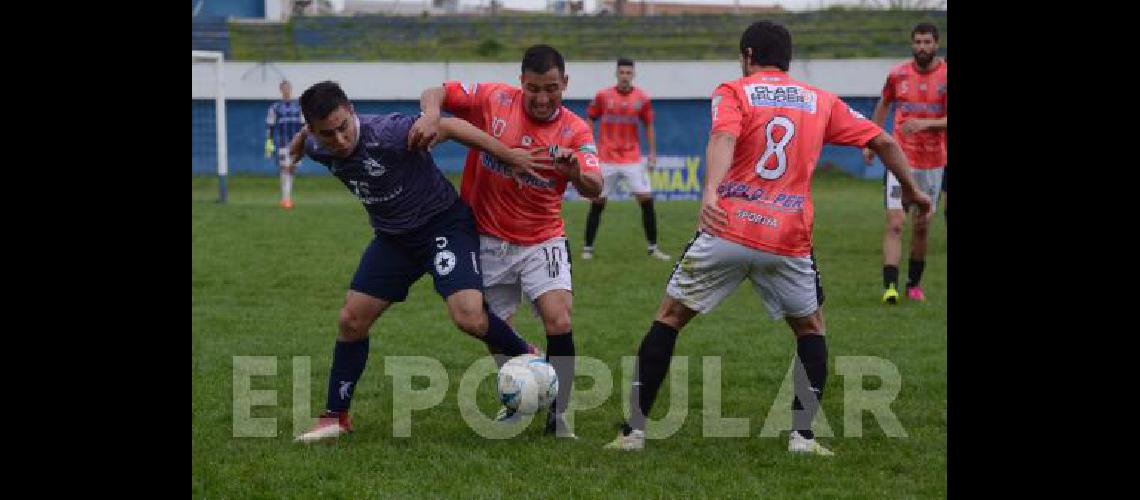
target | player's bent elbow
x=592, y=188
x=881, y=143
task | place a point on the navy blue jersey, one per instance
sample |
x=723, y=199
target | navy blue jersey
x=284, y=121
x=400, y=189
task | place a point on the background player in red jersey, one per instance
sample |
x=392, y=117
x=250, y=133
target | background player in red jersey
x=918, y=89
x=768, y=130
x=523, y=244
x=619, y=109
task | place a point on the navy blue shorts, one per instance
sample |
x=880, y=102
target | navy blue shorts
x=447, y=247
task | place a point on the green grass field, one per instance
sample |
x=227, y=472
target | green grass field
x=267, y=282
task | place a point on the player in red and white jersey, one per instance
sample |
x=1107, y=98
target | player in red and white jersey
x=918, y=90
x=619, y=109
x=768, y=130
x=523, y=248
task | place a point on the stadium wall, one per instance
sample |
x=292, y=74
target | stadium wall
x=679, y=90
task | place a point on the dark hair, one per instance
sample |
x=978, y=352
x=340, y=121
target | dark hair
x=625, y=61
x=924, y=28
x=541, y=58
x=771, y=44
x=318, y=101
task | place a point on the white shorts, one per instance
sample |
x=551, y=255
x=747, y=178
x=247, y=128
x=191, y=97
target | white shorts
x=512, y=271
x=929, y=180
x=712, y=267
x=636, y=176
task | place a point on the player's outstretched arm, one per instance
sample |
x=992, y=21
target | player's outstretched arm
x=518, y=160
x=423, y=133
x=893, y=158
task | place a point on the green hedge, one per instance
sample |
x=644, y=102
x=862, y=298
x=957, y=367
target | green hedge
x=825, y=34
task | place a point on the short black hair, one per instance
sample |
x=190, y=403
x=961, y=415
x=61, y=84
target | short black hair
x=541, y=58
x=924, y=28
x=625, y=61
x=318, y=101
x=771, y=44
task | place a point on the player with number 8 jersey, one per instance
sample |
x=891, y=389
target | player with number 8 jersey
x=768, y=130
x=780, y=125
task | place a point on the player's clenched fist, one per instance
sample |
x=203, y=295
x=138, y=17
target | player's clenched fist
x=424, y=132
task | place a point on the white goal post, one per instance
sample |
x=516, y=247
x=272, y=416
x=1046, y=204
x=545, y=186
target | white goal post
x=218, y=60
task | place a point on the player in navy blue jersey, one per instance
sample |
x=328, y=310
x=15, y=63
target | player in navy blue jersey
x=420, y=226
x=283, y=121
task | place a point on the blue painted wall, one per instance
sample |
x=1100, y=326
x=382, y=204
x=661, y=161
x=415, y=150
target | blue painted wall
x=227, y=8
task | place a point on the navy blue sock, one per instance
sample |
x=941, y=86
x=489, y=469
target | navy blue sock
x=560, y=353
x=811, y=352
x=501, y=339
x=347, y=366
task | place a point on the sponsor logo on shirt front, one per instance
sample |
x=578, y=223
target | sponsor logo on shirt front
x=491, y=163
x=920, y=107
x=762, y=198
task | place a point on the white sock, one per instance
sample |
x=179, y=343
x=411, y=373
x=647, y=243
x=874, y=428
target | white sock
x=287, y=186
x=652, y=247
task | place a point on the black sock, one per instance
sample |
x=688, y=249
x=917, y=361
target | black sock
x=649, y=222
x=811, y=353
x=890, y=276
x=653, y=359
x=560, y=354
x=592, y=221
x=914, y=272
x=502, y=341
x=347, y=366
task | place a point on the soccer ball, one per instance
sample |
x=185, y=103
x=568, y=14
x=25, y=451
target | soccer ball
x=527, y=383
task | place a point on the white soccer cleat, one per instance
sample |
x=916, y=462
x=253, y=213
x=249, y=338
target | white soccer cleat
x=658, y=254
x=634, y=441
x=328, y=426
x=800, y=444
x=587, y=254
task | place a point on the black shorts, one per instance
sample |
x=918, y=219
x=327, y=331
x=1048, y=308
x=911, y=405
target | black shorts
x=447, y=247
